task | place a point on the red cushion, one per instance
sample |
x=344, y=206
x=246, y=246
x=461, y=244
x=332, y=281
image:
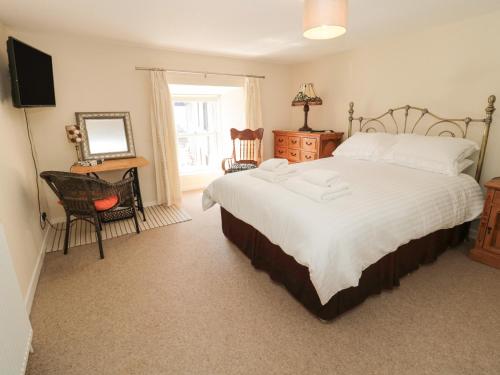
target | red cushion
x=106, y=203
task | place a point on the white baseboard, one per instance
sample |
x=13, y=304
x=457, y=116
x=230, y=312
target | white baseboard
x=28, y=300
x=28, y=350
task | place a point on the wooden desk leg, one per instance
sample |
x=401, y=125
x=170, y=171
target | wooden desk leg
x=132, y=172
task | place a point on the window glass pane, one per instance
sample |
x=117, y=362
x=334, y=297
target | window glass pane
x=203, y=117
x=196, y=124
x=194, y=153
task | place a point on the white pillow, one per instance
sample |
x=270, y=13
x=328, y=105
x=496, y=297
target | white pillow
x=366, y=146
x=464, y=164
x=435, y=154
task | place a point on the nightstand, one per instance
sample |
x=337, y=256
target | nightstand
x=487, y=248
x=304, y=146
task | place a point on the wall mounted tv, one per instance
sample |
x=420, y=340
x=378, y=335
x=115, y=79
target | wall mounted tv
x=31, y=75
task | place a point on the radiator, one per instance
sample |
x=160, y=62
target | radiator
x=15, y=327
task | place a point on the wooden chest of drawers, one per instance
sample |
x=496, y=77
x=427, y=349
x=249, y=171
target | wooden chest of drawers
x=487, y=248
x=304, y=146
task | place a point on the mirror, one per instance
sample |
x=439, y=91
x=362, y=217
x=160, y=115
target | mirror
x=106, y=135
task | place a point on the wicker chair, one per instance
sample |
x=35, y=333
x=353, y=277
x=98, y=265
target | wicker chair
x=93, y=200
x=246, y=150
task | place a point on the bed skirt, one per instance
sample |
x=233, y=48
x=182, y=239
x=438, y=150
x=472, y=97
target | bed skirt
x=384, y=274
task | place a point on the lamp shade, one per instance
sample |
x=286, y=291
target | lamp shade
x=306, y=95
x=324, y=19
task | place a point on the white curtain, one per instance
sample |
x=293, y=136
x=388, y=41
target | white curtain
x=168, y=190
x=253, y=107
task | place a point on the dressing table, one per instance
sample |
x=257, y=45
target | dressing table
x=107, y=136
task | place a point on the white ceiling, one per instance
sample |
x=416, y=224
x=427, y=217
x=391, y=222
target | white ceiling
x=258, y=29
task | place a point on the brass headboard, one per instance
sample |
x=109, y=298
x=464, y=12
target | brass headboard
x=412, y=121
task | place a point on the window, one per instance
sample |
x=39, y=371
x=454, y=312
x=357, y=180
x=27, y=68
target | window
x=198, y=128
x=203, y=116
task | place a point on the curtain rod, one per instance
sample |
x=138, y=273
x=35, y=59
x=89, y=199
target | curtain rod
x=198, y=72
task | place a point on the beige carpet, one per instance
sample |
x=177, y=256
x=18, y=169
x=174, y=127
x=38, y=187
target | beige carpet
x=182, y=300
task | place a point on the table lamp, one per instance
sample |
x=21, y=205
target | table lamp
x=306, y=97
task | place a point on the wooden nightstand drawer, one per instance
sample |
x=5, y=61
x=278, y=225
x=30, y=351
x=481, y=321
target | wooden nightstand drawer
x=280, y=141
x=280, y=152
x=307, y=156
x=309, y=144
x=294, y=142
x=293, y=155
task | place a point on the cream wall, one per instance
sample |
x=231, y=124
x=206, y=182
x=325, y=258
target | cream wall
x=450, y=69
x=18, y=203
x=98, y=75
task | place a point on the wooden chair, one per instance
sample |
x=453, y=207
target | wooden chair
x=93, y=200
x=246, y=150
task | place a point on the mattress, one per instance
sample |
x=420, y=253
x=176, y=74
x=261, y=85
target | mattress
x=388, y=207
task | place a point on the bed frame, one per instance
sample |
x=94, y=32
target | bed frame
x=385, y=273
x=452, y=127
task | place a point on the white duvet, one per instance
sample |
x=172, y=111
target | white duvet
x=389, y=206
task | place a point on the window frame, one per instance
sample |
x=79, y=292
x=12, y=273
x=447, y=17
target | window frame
x=216, y=132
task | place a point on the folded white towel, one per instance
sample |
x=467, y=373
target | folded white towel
x=321, y=177
x=315, y=192
x=272, y=165
x=274, y=177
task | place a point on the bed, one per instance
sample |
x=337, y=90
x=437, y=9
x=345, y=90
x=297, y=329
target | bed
x=332, y=256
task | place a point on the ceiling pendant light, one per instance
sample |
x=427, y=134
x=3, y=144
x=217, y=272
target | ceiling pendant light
x=324, y=19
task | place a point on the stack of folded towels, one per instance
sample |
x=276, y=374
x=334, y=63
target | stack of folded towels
x=319, y=184
x=273, y=170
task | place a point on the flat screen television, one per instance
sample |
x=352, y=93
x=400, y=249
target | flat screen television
x=31, y=75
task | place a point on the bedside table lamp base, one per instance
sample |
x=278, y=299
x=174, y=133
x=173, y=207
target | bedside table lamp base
x=306, y=127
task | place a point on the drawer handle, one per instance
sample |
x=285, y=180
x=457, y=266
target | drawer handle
x=280, y=151
x=309, y=143
x=293, y=154
x=280, y=139
x=308, y=156
x=294, y=141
